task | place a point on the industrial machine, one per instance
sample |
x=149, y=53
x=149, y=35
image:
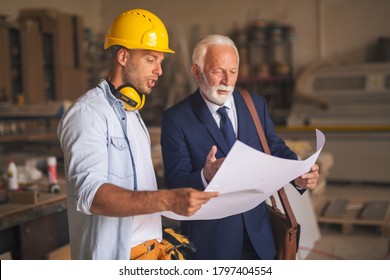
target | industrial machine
x=351, y=104
x=352, y=94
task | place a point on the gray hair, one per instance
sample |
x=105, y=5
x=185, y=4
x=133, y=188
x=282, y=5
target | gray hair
x=210, y=40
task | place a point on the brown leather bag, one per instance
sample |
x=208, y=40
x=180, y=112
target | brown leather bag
x=285, y=228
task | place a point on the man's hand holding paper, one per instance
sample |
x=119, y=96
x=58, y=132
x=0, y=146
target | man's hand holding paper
x=248, y=177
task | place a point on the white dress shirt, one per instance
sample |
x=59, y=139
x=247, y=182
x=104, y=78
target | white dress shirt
x=145, y=227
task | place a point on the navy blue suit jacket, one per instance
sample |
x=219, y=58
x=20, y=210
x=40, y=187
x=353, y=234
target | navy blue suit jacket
x=187, y=134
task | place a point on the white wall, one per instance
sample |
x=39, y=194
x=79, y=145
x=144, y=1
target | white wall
x=345, y=30
x=220, y=16
x=351, y=27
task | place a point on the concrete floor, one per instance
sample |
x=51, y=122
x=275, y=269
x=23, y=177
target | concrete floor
x=364, y=242
x=361, y=245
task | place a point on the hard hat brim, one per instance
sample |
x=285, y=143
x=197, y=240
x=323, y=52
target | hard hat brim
x=109, y=41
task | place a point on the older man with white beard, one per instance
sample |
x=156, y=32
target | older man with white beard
x=196, y=136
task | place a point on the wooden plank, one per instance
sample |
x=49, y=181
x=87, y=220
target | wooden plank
x=61, y=253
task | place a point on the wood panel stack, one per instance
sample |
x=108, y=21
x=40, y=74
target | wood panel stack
x=32, y=62
x=42, y=58
x=52, y=46
x=5, y=65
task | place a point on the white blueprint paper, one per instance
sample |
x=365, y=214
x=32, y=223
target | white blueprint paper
x=248, y=177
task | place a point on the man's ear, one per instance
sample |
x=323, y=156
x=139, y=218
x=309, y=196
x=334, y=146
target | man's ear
x=122, y=56
x=196, y=71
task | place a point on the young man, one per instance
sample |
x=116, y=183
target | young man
x=113, y=201
x=192, y=127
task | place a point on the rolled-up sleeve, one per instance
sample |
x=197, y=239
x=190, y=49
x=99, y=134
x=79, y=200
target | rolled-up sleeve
x=83, y=138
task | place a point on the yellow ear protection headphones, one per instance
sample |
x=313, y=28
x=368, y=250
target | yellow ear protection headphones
x=132, y=99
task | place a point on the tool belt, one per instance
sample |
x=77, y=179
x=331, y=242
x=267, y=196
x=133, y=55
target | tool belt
x=149, y=250
x=174, y=246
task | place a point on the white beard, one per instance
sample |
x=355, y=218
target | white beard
x=211, y=92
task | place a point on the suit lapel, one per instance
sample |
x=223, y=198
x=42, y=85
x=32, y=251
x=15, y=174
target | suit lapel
x=203, y=113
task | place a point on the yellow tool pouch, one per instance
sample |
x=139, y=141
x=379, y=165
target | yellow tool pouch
x=176, y=245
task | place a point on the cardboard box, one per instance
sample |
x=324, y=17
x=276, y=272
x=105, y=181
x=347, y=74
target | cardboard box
x=24, y=197
x=46, y=18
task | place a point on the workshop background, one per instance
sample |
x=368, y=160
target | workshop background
x=320, y=63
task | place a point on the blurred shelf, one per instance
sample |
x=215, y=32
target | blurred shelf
x=32, y=137
x=32, y=112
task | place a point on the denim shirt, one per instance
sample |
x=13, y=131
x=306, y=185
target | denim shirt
x=93, y=137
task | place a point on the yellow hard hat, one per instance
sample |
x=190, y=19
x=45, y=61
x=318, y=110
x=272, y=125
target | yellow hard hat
x=138, y=29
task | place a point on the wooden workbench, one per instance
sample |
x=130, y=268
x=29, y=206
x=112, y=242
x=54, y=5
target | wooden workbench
x=31, y=230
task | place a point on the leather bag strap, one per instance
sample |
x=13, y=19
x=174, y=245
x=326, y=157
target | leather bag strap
x=282, y=193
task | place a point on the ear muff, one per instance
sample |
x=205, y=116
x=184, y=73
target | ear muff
x=132, y=99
